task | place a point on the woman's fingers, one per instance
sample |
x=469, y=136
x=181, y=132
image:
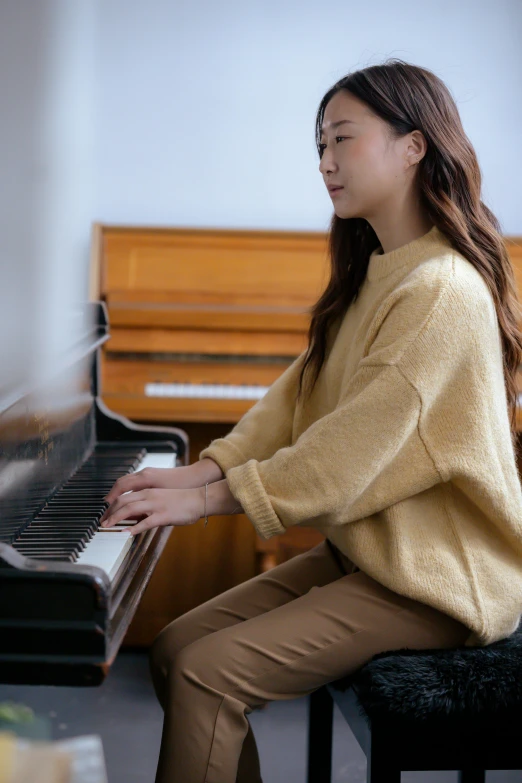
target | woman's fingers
x=154, y=520
x=148, y=478
x=162, y=506
x=122, y=502
x=135, y=508
x=131, y=483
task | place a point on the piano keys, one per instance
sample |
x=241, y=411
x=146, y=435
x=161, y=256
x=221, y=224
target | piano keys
x=67, y=529
x=205, y=391
x=68, y=588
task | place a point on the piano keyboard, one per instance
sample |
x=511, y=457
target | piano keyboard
x=67, y=528
x=215, y=391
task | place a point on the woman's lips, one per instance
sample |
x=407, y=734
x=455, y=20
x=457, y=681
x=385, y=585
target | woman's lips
x=335, y=191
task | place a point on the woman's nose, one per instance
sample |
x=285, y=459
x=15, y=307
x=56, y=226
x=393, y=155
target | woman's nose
x=327, y=163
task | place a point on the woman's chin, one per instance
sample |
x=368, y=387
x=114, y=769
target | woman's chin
x=344, y=212
x=346, y=207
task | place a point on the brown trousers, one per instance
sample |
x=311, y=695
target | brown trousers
x=280, y=635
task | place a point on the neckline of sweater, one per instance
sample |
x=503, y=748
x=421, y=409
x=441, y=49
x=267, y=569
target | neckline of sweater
x=382, y=264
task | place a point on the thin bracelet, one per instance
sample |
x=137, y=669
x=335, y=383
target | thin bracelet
x=238, y=508
x=205, y=513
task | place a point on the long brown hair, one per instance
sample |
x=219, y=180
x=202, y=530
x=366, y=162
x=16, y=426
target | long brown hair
x=408, y=97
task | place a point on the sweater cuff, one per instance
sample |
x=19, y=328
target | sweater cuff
x=224, y=453
x=246, y=487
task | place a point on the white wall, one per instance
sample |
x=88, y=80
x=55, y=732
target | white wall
x=206, y=108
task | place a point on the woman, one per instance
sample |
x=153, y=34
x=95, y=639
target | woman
x=393, y=434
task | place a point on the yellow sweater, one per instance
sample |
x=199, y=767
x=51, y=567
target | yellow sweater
x=402, y=456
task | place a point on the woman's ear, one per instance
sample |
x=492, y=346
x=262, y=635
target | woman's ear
x=416, y=147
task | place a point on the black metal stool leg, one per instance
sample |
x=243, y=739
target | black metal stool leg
x=383, y=775
x=320, y=727
x=379, y=769
x=472, y=776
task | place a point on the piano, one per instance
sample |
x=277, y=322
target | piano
x=68, y=589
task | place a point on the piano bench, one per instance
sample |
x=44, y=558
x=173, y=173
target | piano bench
x=444, y=709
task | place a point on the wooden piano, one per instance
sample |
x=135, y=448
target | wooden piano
x=68, y=589
x=202, y=321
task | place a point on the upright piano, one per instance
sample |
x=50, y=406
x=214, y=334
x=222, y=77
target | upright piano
x=68, y=589
x=203, y=321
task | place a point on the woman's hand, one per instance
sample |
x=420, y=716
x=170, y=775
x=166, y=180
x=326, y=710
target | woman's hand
x=187, y=477
x=156, y=508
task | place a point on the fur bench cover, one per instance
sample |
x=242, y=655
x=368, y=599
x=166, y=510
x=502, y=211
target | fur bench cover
x=480, y=684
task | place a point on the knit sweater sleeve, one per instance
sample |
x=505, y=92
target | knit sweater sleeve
x=265, y=428
x=349, y=464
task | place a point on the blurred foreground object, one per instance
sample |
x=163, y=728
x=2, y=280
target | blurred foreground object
x=47, y=85
x=75, y=760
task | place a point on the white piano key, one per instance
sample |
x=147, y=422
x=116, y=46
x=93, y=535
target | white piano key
x=106, y=550
x=158, y=460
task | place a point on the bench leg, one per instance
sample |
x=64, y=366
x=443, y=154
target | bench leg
x=381, y=773
x=472, y=776
x=320, y=726
x=385, y=776
x=378, y=767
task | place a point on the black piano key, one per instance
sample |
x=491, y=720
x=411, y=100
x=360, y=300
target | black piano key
x=49, y=538
x=61, y=558
x=79, y=525
x=101, y=471
x=48, y=542
x=80, y=531
x=71, y=502
x=90, y=494
x=74, y=524
x=70, y=505
x=73, y=535
x=48, y=547
x=82, y=536
x=74, y=512
x=79, y=502
x=36, y=552
x=51, y=519
x=90, y=513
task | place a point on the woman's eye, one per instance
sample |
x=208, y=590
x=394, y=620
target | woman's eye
x=322, y=147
